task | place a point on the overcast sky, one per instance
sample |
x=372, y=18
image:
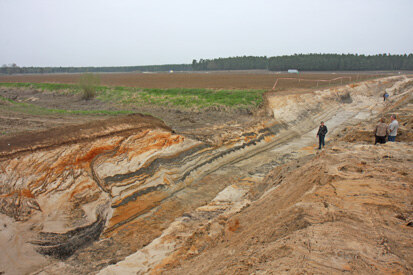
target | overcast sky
x=146, y=32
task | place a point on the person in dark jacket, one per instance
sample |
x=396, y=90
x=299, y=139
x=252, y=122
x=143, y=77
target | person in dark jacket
x=385, y=96
x=321, y=134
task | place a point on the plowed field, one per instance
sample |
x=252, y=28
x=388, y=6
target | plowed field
x=213, y=80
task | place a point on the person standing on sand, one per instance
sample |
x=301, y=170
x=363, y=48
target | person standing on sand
x=321, y=134
x=381, y=132
x=385, y=96
x=393, y=126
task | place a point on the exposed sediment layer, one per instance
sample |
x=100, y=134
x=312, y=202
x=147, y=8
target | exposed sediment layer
x=74, y=190
x=114, y=186
x=345, y=210
x=66, y=135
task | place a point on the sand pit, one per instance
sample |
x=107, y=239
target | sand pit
x=232, y=197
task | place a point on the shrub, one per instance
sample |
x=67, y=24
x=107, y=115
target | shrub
x=88, y=83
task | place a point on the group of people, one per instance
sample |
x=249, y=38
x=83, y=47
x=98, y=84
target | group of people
x=383, y=130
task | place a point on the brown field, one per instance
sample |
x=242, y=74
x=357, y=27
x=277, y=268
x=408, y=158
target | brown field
x=213, y=80
x=12, y=121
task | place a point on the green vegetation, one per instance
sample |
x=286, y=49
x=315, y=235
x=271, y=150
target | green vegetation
x=187, y=98
x=198, y=98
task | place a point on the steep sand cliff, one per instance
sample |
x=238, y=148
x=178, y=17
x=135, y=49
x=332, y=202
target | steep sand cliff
x=79, y=199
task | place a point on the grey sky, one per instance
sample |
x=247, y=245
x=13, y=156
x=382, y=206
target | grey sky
x=127, y=32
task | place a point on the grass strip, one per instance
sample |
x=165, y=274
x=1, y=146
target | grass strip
x=177, y=97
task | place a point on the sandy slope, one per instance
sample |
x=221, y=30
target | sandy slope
x=347, y=210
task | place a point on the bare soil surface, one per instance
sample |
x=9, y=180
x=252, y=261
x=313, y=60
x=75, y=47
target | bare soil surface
x=213, y=80
x=13, y=122
x=74, y=133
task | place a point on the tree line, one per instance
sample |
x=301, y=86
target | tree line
x=302, y=62
x=343, y=62
x=14, y=69
x=231, y=63
x=309, y=62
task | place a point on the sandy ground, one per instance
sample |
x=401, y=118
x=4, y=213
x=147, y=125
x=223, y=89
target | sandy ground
x=345, y=210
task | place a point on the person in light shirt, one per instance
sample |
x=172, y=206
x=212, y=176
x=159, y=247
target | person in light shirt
x=393, y=126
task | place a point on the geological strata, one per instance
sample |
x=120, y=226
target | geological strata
x=79, y=184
